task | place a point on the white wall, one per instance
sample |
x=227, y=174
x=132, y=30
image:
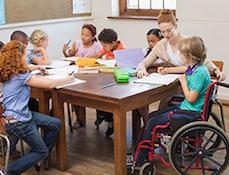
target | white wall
x=210, y=20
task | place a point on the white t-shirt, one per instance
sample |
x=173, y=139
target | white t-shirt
x=174, y=56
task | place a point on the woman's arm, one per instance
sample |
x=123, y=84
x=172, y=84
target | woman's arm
x=43, y=82
x=215, y=70
x=171, y=70
x=190, y=95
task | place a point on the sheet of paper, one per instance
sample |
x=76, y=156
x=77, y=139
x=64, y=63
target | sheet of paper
x=69, y=58
x=156, y=78
x=63, y=70
x=107, y=63
x=81, y=6
x=57, y=64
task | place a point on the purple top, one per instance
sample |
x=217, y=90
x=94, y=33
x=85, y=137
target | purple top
x=87, y=52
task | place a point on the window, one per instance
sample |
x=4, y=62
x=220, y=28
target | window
x=145, y=7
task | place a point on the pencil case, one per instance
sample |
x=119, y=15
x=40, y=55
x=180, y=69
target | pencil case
x=121, y=76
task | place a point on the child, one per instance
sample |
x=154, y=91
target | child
x=108, y=39
x=152, y=36
x=87, y=46
x=20, y=122
x=194, y=84
x=39, y=56
x=20, y=36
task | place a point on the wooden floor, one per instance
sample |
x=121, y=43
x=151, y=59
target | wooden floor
x=91, y=153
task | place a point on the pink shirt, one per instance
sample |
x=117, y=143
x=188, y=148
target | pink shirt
x=87, y=52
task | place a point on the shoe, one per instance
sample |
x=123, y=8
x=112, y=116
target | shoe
x=76, y=125
x=98, y=121
x=110, y=131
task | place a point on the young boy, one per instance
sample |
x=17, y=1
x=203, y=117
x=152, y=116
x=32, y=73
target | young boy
x=109, y=40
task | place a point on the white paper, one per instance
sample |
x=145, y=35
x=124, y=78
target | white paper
x=57, y=64
x=69, y=58
x=63, y=70
x=81, y=6
x=156, y=78
x=107, y=63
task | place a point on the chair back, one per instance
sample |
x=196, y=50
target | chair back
x=219, y=64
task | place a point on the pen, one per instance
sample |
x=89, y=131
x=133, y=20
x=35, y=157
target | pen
x=68, y=42
x=71, y=73
x=108, y=85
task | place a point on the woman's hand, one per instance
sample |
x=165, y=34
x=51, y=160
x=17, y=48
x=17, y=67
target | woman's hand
x=221, y=76
x=162, y=70
x=142, y=73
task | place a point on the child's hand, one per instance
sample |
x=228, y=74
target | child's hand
x=162, y=70
x=74, y=48
x=182, y=78
x=65, y=48
x=43, y=70
x=40, y=50
x=142, y=73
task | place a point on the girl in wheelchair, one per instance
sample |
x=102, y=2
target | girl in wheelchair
x=194, y=84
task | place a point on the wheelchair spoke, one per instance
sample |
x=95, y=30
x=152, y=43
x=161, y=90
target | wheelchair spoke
x=190, y=154
x=193, y=161
x=202, y=166
x=215, y=149
x=188, y=144
x=209, y=140
x=212, y=160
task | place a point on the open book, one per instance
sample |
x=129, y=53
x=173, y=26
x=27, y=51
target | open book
x=156, y=78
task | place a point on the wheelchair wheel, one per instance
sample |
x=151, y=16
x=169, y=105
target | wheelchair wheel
x=200, y=157
x=147, y=169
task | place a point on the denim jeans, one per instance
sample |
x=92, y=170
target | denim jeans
x=155, y=118
x=28, y=132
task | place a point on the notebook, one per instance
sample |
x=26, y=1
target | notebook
x=129, y=58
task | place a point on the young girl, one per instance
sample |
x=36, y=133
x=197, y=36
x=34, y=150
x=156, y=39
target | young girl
x=20, y=122
x=87, y=46
x=39, y=55
x=194, y=84
x=152, y=36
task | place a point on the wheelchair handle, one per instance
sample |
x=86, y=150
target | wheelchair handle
x=223, y=84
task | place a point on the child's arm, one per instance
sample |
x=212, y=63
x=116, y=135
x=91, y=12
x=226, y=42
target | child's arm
x=43, y=82
x=45, y=60
x=190, y=95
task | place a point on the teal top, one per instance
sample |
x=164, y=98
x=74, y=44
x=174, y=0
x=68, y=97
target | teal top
x=198, y=81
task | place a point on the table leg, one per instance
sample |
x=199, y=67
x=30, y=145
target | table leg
x=120, y=142
x=61, y=144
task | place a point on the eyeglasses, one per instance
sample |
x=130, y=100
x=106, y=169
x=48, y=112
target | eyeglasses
x=167, y=30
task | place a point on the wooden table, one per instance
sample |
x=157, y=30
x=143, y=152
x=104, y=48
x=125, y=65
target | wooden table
x=117, y=99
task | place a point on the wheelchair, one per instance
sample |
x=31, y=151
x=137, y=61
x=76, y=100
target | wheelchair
x=191, y=145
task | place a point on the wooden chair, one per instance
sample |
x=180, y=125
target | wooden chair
x=219, y=64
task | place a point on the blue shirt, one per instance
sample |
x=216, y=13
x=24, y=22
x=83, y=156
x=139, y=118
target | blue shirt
x=198, y=81
x=16, y=95
x=31, y=54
